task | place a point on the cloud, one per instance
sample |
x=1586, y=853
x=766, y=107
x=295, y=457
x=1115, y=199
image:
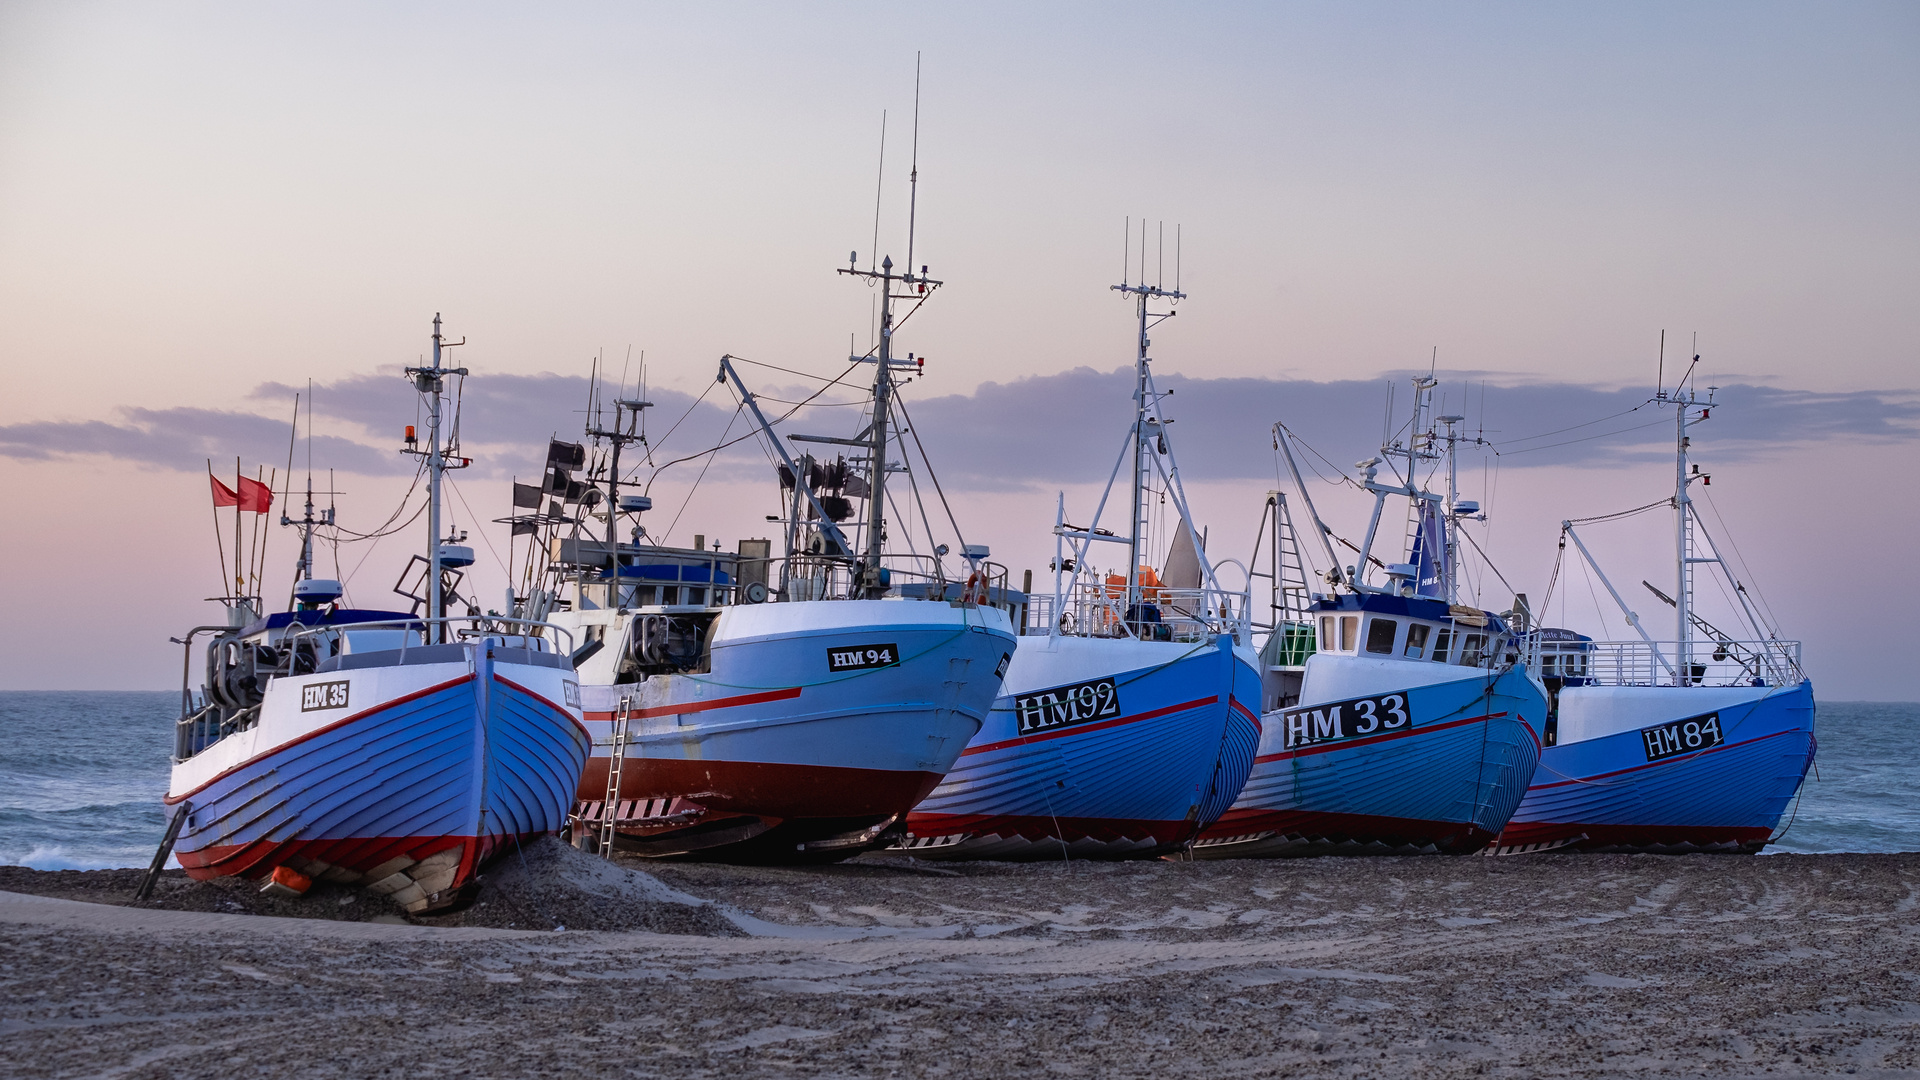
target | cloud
x=1063, y=428
x=185, y=438
x=1069, y=427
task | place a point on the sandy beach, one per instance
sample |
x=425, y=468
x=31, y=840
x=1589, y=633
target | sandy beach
x=1539, y=965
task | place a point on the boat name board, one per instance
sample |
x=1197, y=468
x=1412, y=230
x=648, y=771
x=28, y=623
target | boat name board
x=861, y=657
x=1064, y=706
x=323, y=695
x=1358, y=718
x=1682, y=736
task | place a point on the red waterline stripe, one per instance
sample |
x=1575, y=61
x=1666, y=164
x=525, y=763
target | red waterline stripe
x=542, y=700
x=1370, y=740
x=1662, y=761
x=1083, y=729
x=1234, y=704
x=317, y=732
x=703, y=706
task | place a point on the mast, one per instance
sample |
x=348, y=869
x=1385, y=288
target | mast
x=1143, y=423
x=882, y=402
x=1683, y=567
x=880, y=431
x=431, y=381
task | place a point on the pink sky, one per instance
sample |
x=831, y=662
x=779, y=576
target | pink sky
x=195, y=202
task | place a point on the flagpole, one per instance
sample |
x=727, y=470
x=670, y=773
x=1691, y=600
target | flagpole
x=219, y=542
x=238, y=584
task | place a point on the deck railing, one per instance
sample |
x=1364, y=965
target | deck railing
x=1090, y=609
x=1726, y=662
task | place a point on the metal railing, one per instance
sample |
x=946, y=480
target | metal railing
x=1094, y=609
x=301, y=650
x=1667, y=663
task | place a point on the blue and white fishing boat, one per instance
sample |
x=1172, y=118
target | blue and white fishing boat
x=754, y=707
x=399, y=750
x=1698, y=743
x=1127, y=724
x=1396, y=718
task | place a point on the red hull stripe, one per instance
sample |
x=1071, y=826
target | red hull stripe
x=1370, y=740
x=1657, y=764
x=317, y=732
x=357, y=853
x=542, y=700
x=1540, y=832
x=1069, y=829
x=703, y=706
x=1234, y=704
x=764, y=788
x=1361, y=828
x=1085, y=728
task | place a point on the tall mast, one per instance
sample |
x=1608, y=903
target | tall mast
x=882, y=403
x=880, y=431
x=1683, y=568
x=1143, y=410
x=431, y=381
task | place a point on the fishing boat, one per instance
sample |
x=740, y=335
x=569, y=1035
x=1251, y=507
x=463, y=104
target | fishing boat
x=1698, y=743
x=757, y=707
x=400, y=750
x=1127, y=724
x=1396, y=718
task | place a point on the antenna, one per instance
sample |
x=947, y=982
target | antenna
x=879, y=185
x=913, y=176
x=1660, y=380
x=1160, y=274
x=1176, y=257
x=1126, y=249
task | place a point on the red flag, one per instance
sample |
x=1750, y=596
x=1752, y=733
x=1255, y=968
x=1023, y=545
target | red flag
x=253, y=495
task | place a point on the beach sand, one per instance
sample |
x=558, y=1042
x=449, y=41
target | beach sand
x=1542, y=965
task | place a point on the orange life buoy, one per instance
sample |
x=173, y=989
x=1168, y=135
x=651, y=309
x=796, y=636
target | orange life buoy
x=975, y=590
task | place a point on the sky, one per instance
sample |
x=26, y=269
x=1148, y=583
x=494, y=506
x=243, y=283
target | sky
x=205, y=207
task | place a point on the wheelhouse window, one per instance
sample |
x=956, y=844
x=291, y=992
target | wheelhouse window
x=1380, y=635
x=1471, y=648
x=1441, y=643
x=1326, y=633
x=1417, y=640
x=1349, y=629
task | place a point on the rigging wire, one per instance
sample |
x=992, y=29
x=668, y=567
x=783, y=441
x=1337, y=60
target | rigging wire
x=1753, y=590
x=712, y=454
x=483, y=533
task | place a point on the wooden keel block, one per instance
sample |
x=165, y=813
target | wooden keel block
x=391, y=866
x=390, y=884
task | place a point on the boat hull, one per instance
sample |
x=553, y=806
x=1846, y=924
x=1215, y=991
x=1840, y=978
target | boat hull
x=1142, y=781
x=1448, y=782
x=414, y=780
x=771, y=751
x=1597, y=789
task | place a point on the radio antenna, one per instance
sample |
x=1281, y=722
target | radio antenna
x=1660, y=380
x=1126, y=248
x=879, y=185
x=913, y=176
x=1176, y=257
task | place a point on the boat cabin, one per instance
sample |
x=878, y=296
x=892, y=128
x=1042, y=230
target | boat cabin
x=1413, y=628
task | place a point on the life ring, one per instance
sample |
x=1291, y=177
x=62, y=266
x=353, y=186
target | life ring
x=975, y=590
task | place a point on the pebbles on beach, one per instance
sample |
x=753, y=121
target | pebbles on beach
x=1555, y=965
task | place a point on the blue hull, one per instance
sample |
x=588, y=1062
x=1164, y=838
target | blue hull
x=1169, y=760
x=1447, y=782
x=1604, y=793
x=445, y=773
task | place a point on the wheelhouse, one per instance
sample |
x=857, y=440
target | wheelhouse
x=1409, y=628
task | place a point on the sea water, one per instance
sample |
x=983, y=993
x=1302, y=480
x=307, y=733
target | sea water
x=82, y=775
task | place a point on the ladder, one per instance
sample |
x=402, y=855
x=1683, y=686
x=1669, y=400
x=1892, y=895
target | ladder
x=616, y=761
